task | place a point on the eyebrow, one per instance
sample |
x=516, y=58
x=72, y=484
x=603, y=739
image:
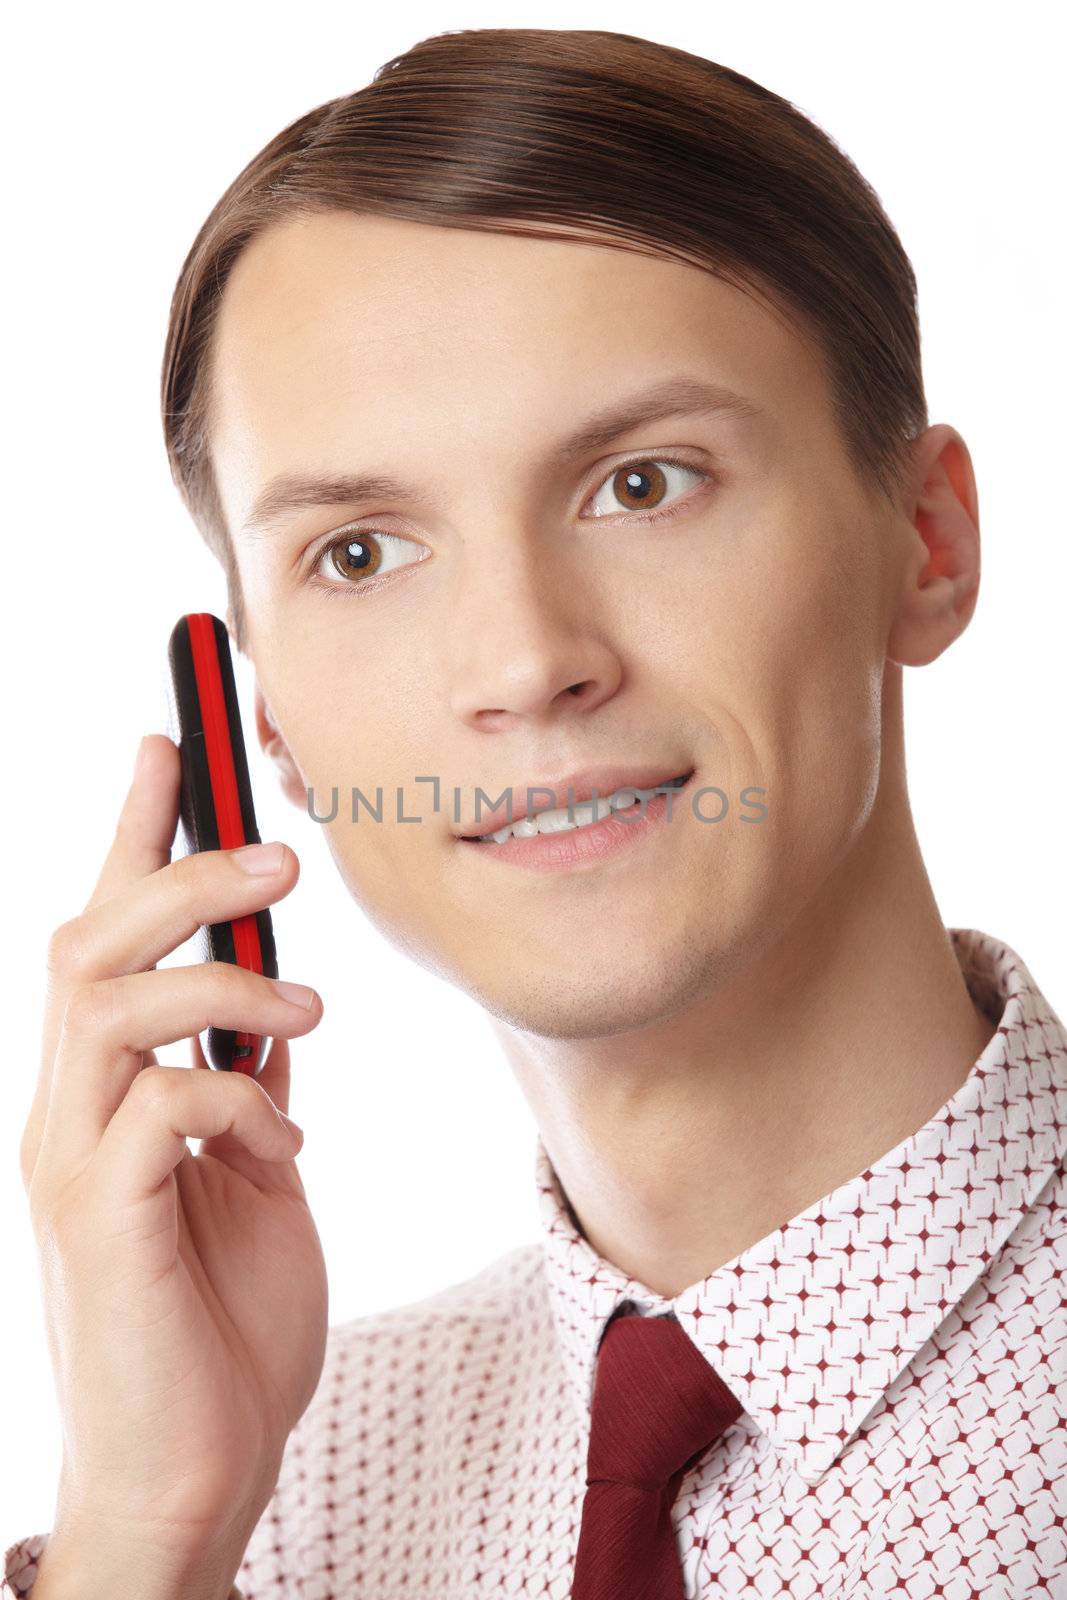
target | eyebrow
x=294, y=491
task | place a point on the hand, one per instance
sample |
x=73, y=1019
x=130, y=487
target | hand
x=185, y=1295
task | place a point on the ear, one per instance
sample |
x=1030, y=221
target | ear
x=273, y=745
x=939, y=588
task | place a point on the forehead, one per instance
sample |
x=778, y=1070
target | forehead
x=335, y=325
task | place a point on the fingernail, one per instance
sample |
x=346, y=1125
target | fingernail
x=260, y=859
x=295, y=993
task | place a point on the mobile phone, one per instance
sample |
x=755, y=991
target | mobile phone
x=216, y=811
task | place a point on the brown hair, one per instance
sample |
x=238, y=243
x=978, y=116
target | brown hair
x=584, y=134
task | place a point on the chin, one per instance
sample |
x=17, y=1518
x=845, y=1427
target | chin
x=583, y=1000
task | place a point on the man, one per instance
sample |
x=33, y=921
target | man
x=794, y=1325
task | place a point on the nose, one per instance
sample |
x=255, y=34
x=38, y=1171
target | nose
x=527, y=644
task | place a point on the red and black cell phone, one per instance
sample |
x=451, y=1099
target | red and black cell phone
x=216, y=809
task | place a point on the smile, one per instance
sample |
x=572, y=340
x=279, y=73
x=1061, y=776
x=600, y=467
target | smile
x=593, y=833
x=582, y=814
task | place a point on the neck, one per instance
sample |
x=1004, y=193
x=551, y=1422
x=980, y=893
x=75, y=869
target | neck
x=680, y=1145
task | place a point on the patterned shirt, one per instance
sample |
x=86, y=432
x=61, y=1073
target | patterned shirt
x=899, y=1350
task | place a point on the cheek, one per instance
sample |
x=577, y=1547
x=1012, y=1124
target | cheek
x=826, y=689
x=333, y=696
x=794, y=655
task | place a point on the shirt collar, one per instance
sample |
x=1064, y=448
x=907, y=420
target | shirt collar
x=862, y=1278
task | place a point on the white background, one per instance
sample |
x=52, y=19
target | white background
x=123, y=125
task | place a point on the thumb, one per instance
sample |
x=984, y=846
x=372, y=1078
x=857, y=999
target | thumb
x=273, y=1079
x=273, y=1076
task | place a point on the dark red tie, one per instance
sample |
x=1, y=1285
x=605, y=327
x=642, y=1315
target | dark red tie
x=658, y=1404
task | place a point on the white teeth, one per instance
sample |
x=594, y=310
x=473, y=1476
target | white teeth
x=584, y=812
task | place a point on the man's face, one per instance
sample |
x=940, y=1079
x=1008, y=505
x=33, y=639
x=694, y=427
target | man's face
x=525, y=618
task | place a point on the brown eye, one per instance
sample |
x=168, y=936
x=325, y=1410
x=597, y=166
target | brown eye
x=365, y=559
x=639, y=486
x=356, y=558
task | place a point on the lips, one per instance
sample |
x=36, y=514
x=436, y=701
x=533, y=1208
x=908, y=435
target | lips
x=572, y=788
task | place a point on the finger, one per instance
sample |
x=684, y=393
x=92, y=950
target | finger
x=165, y=1106
x=107, y=1026
x=141, y=845
x=274, y=1075
x=150, y=917
x=140, y=924
x=145, y=829
x=273, y=1079
x=33, y=1131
